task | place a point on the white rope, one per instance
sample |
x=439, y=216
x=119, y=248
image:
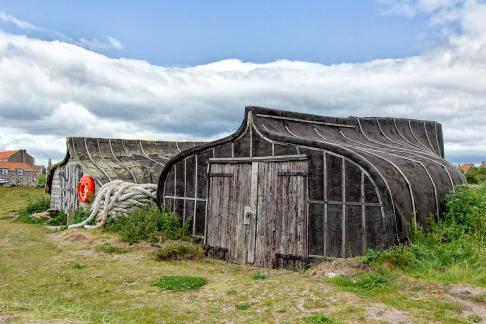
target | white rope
x=115, y=198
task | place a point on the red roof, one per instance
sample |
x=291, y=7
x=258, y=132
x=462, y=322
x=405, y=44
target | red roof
x=7, y=154
x=17, y=165
x=466, y=167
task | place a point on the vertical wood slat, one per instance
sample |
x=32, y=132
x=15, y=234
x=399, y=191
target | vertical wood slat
x=363, y=214
x=343, y=223
x=253, y=208
x=324, y=230
x=195, y=196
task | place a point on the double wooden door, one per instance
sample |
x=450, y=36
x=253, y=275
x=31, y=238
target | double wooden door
x=257, y=212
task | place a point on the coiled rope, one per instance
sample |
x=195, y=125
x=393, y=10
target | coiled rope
x=115, y=199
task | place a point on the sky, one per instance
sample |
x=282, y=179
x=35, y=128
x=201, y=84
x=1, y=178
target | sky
x=185, y=70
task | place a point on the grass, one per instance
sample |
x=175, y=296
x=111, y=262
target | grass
x=319, y=319
x=79, y=276
x=181, y=283
x=242, y=306
x=259, y=276
x=14, y=198
x=365, y=281
x=451, y=251
x=179, y=250
x=149, y=224
x=108, y=248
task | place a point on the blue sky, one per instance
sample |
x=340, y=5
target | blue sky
x=184, y=70
x=184, y=33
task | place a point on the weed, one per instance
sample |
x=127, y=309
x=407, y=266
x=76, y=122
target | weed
x=179, y=250
x=34, y=206
x=243, y=306
x=318, y=319
x=480, y=298
x=450, y=250
x=181, y=283
x=475, y=318
x=58, y=220
x=77, y=266
x=231, y=292
x=259, y=276
x=149, y=224
x=108, y=248
x=268, y=302
x=366, y=281
x=78, y=215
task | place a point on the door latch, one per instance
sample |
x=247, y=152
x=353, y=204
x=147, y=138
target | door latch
x=247, y=215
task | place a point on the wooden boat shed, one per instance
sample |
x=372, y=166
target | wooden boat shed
x=288, y=186
x=106, y=160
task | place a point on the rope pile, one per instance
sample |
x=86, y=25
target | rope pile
x=115, y=198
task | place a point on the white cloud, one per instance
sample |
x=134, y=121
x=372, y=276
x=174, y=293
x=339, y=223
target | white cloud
x=4, y=17
x=96, y=44
x=108, y=43
x=52, y=89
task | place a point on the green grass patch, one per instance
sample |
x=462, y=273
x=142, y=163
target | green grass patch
x=42, y=180
x=242, y=306
x=12, y=199
x=259, y=276
x=34, y=206
x=365, y=281
x=181, y=283
x=319, y=319
x=108, y=248
x=78, y=215
x=476, y=175
x=179, y=250
x=76, y=265
x=59, y=220
x=149, y=224
x=452, y=250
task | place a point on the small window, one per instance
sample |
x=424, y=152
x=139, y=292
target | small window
x=19, y=172
x=3, y=172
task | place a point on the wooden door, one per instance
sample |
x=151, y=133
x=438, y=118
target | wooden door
x=281, y=235
x=227, y=230
x=257, y=212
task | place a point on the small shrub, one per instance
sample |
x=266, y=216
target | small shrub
x=35, y=206
x=318, y=319
x=108, y=248
x=58, y=220
x=178, y=250
x=78, y=215
x=259, y=276
x=242, y=306
x=149, y=224
x=181, y=283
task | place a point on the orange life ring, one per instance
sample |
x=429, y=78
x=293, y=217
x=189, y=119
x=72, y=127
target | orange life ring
x=86, y=189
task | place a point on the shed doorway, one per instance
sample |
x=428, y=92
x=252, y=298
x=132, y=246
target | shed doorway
x=257, y=211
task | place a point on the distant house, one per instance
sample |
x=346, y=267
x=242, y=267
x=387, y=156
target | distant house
x=18, y=168
x=465, y=168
